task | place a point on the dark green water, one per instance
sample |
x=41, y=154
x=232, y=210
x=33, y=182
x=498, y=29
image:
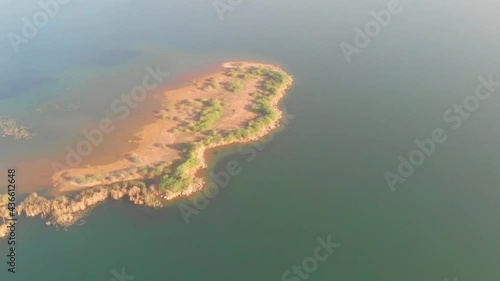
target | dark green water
x=323, y=174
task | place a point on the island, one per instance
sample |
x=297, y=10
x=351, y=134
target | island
x=237, y=104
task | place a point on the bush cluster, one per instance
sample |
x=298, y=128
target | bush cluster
x=209, y=115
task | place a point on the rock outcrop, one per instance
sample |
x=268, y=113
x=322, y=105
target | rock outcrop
x=65, y=211
x=4, y=214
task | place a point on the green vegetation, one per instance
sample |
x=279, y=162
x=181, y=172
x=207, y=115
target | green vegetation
x=247, y=76
x=146, y=172
x=134, y=158
x=210, y=84
x=234, y=86
x=179, y=179
x=234, y=72
x=214, y=137
x=274, y=82
x=88, y=179
x=209, y=115
x=194, y=103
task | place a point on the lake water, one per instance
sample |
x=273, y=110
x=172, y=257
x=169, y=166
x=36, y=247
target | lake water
x=321, y=175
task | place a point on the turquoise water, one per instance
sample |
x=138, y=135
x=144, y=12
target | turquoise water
x=323, y=174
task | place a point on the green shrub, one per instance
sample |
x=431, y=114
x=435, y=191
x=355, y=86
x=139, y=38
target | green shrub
x=246, y=76
x=134, y=158
x=234, y=72
x=209, y=115
x=211, y=84
x=234, y=86
x=207, y=88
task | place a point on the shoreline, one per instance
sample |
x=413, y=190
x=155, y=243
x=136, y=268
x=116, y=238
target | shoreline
x=207, y=149
x=64, y=211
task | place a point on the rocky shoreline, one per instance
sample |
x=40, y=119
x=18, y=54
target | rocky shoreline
x=64, y=211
